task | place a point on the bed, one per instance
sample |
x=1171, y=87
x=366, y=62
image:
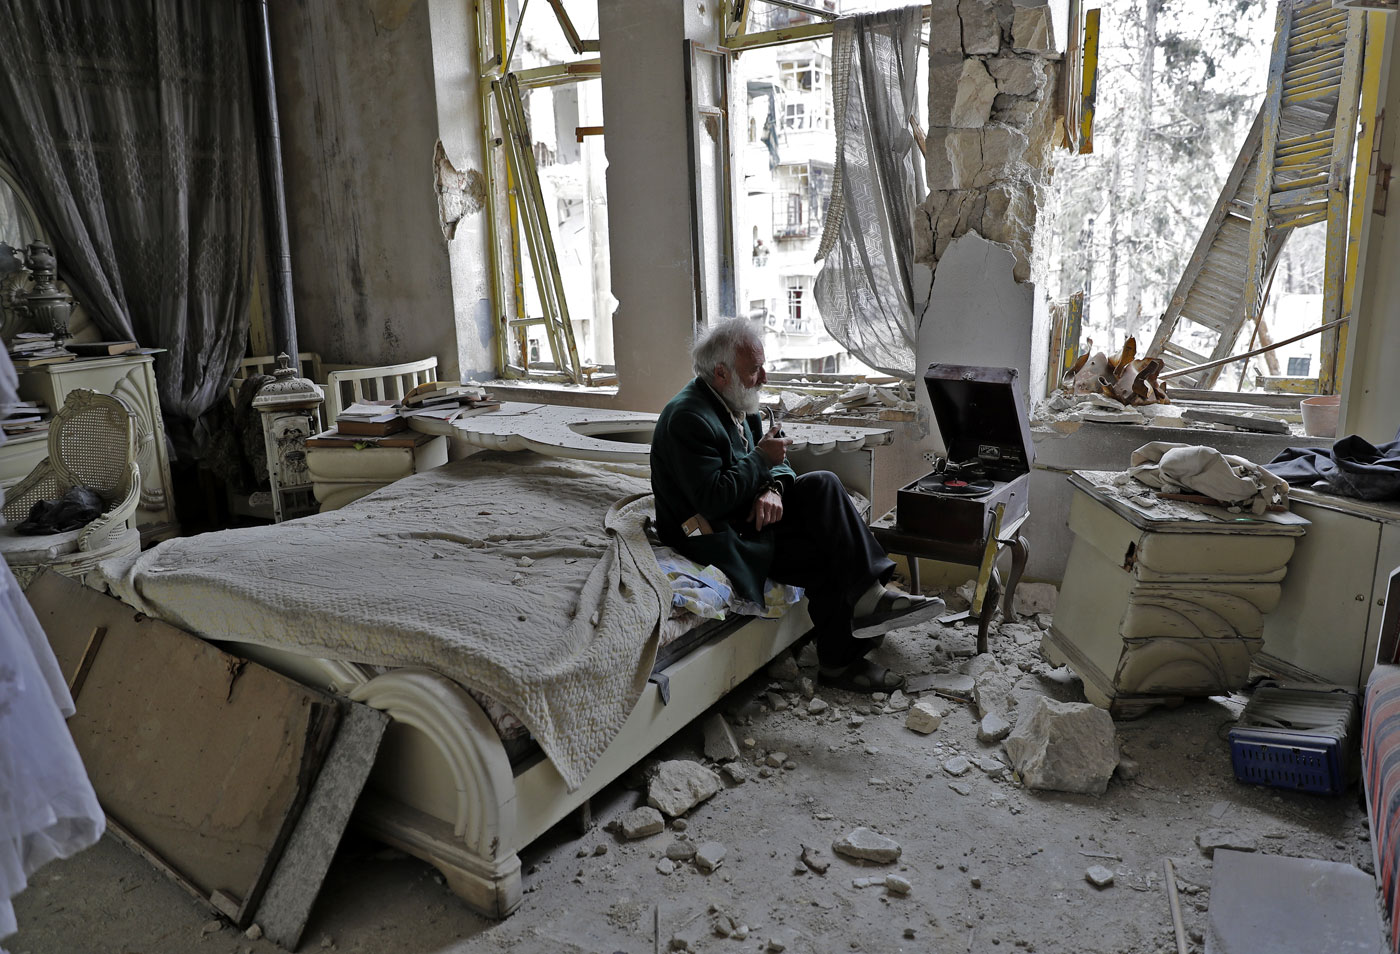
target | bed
x=501, y=585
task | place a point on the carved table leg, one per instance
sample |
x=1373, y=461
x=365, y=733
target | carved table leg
x=989, y=608
x=1020, y=554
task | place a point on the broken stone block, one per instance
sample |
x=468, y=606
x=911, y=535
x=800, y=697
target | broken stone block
x=957, y=765
x=944, y=78
x=680, y=851
x=735, y=772
x=976, y=90
x=641, y=822
x=863, y=844
x=992, y=685
x=1213, y=838
x=981, y=32
x=1002, y=148
x=1033, y=598
x=993, y=767
x=814, y=860
x=776, y=759
x=964, y=151
x=1064, y=746
x=807, y=658
x=945, y=27
x=784, y=669
x=1099, y=876
x=666, y=866
x=993, y=728
x=1032, y=31
x=709, y=856
x=897, y=701
x=962, y=788
x=720, y=743
x=817, y=705
x=777, y=702
x=680, y=785
x=1017, y=76
x=894, y=884
x=924, y=718
x=806, y=687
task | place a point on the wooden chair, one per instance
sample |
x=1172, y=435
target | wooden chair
x=386, y=382
x=92, y=443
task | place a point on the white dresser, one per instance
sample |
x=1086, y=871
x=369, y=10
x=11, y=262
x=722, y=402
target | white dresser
x=129, y=377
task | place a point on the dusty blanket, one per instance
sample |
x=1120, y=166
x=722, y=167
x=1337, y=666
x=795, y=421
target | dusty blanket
x=526, y=578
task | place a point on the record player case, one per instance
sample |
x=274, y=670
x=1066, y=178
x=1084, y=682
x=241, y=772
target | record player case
x=974, y=503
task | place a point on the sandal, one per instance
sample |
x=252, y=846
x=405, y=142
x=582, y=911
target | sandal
x=861, y=676
x=895, y=610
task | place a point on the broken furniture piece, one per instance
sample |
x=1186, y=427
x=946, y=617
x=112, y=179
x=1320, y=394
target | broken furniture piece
x=1163, y=600
x=92, y=442
x=974, y=503
x=234, y=781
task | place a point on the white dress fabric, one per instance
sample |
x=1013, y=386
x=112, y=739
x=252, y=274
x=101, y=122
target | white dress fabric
x=48, y=809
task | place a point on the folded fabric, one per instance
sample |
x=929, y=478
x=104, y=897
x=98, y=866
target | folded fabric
x=1192, y=468
x=1352, y=467
x=78, y=507
x=706, y=591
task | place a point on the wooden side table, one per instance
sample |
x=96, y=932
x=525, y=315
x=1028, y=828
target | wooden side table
x=1162, y=600
x=981, y=553
x=343, y=469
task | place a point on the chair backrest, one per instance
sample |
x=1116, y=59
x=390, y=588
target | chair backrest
x=387, y=382
x=92, y=442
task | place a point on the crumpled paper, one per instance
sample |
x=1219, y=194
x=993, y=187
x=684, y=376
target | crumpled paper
x=1192, y=468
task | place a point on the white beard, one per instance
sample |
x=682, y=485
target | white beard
x=743, y=400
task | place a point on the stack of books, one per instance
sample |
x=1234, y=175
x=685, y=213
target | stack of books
x=100, y=349
x=370, y=419
x=445, y=401
x=29, y=349
x=26, y=417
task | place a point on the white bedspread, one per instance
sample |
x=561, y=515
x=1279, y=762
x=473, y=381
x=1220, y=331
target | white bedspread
x=525, y=578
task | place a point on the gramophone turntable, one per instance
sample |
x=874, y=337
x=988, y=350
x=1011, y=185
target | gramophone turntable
x=982, y=420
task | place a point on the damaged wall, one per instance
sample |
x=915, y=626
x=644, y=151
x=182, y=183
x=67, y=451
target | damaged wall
x=359, y=116
x=991, y=97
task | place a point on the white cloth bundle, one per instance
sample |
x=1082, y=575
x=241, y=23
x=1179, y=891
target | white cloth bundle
x=1192, y=468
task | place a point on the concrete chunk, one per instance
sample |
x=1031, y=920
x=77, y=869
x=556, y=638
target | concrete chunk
x=981, y=33
x=863, y=844
x=924, y=717
x=1099, y=876
x=1066, y=747
x=710, y=856
x=680, y=785
x=993, y=728
x=641, y=822
x=720, y=743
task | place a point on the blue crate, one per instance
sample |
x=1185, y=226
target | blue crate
x=1298, y=739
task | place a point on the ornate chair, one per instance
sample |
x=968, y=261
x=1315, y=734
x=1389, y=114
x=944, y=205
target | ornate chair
x=92, y=443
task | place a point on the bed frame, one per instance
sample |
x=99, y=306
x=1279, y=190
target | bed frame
x=443, y=788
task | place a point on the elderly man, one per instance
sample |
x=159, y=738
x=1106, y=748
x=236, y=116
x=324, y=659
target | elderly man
x=726, y=496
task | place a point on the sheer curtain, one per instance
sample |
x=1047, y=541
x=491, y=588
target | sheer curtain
x=864, y=289
x=130, y=126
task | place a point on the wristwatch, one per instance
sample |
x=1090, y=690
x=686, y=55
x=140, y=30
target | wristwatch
x=774, y=485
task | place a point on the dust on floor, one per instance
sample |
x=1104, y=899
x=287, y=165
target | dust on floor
x=990, y=866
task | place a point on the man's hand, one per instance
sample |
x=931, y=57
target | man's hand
x=774, y=447
x=767, y=508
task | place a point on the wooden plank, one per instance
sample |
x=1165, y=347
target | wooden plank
x=200, y=758
x=75, y=683
x=300, y=872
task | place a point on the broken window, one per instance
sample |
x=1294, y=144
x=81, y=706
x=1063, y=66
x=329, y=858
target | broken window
x=543, y=114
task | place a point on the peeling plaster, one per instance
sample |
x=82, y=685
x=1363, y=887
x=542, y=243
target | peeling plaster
x=459, y=194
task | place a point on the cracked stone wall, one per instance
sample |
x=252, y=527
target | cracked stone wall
x=993, y=67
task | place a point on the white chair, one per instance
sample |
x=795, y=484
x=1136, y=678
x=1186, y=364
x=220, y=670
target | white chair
x=384, y=383
x=92, y=443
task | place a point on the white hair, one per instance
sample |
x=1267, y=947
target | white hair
x=720, y=343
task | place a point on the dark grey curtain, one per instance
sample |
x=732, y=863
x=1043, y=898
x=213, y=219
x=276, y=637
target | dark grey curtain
x=129, y=123
x=865, y=289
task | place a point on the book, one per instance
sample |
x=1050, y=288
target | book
x=371, y=426
x=99, y=348
x=37, y=360
x=366, y=409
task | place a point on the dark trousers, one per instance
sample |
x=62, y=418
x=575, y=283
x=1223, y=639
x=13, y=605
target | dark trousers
x=825, y=547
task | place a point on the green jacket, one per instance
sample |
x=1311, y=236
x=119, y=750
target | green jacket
x=699, y=464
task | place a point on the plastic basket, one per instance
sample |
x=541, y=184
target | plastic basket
x=1298, y=739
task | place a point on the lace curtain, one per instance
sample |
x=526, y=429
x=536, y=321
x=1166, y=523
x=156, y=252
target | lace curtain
x=864, y=289
x=130, y=127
